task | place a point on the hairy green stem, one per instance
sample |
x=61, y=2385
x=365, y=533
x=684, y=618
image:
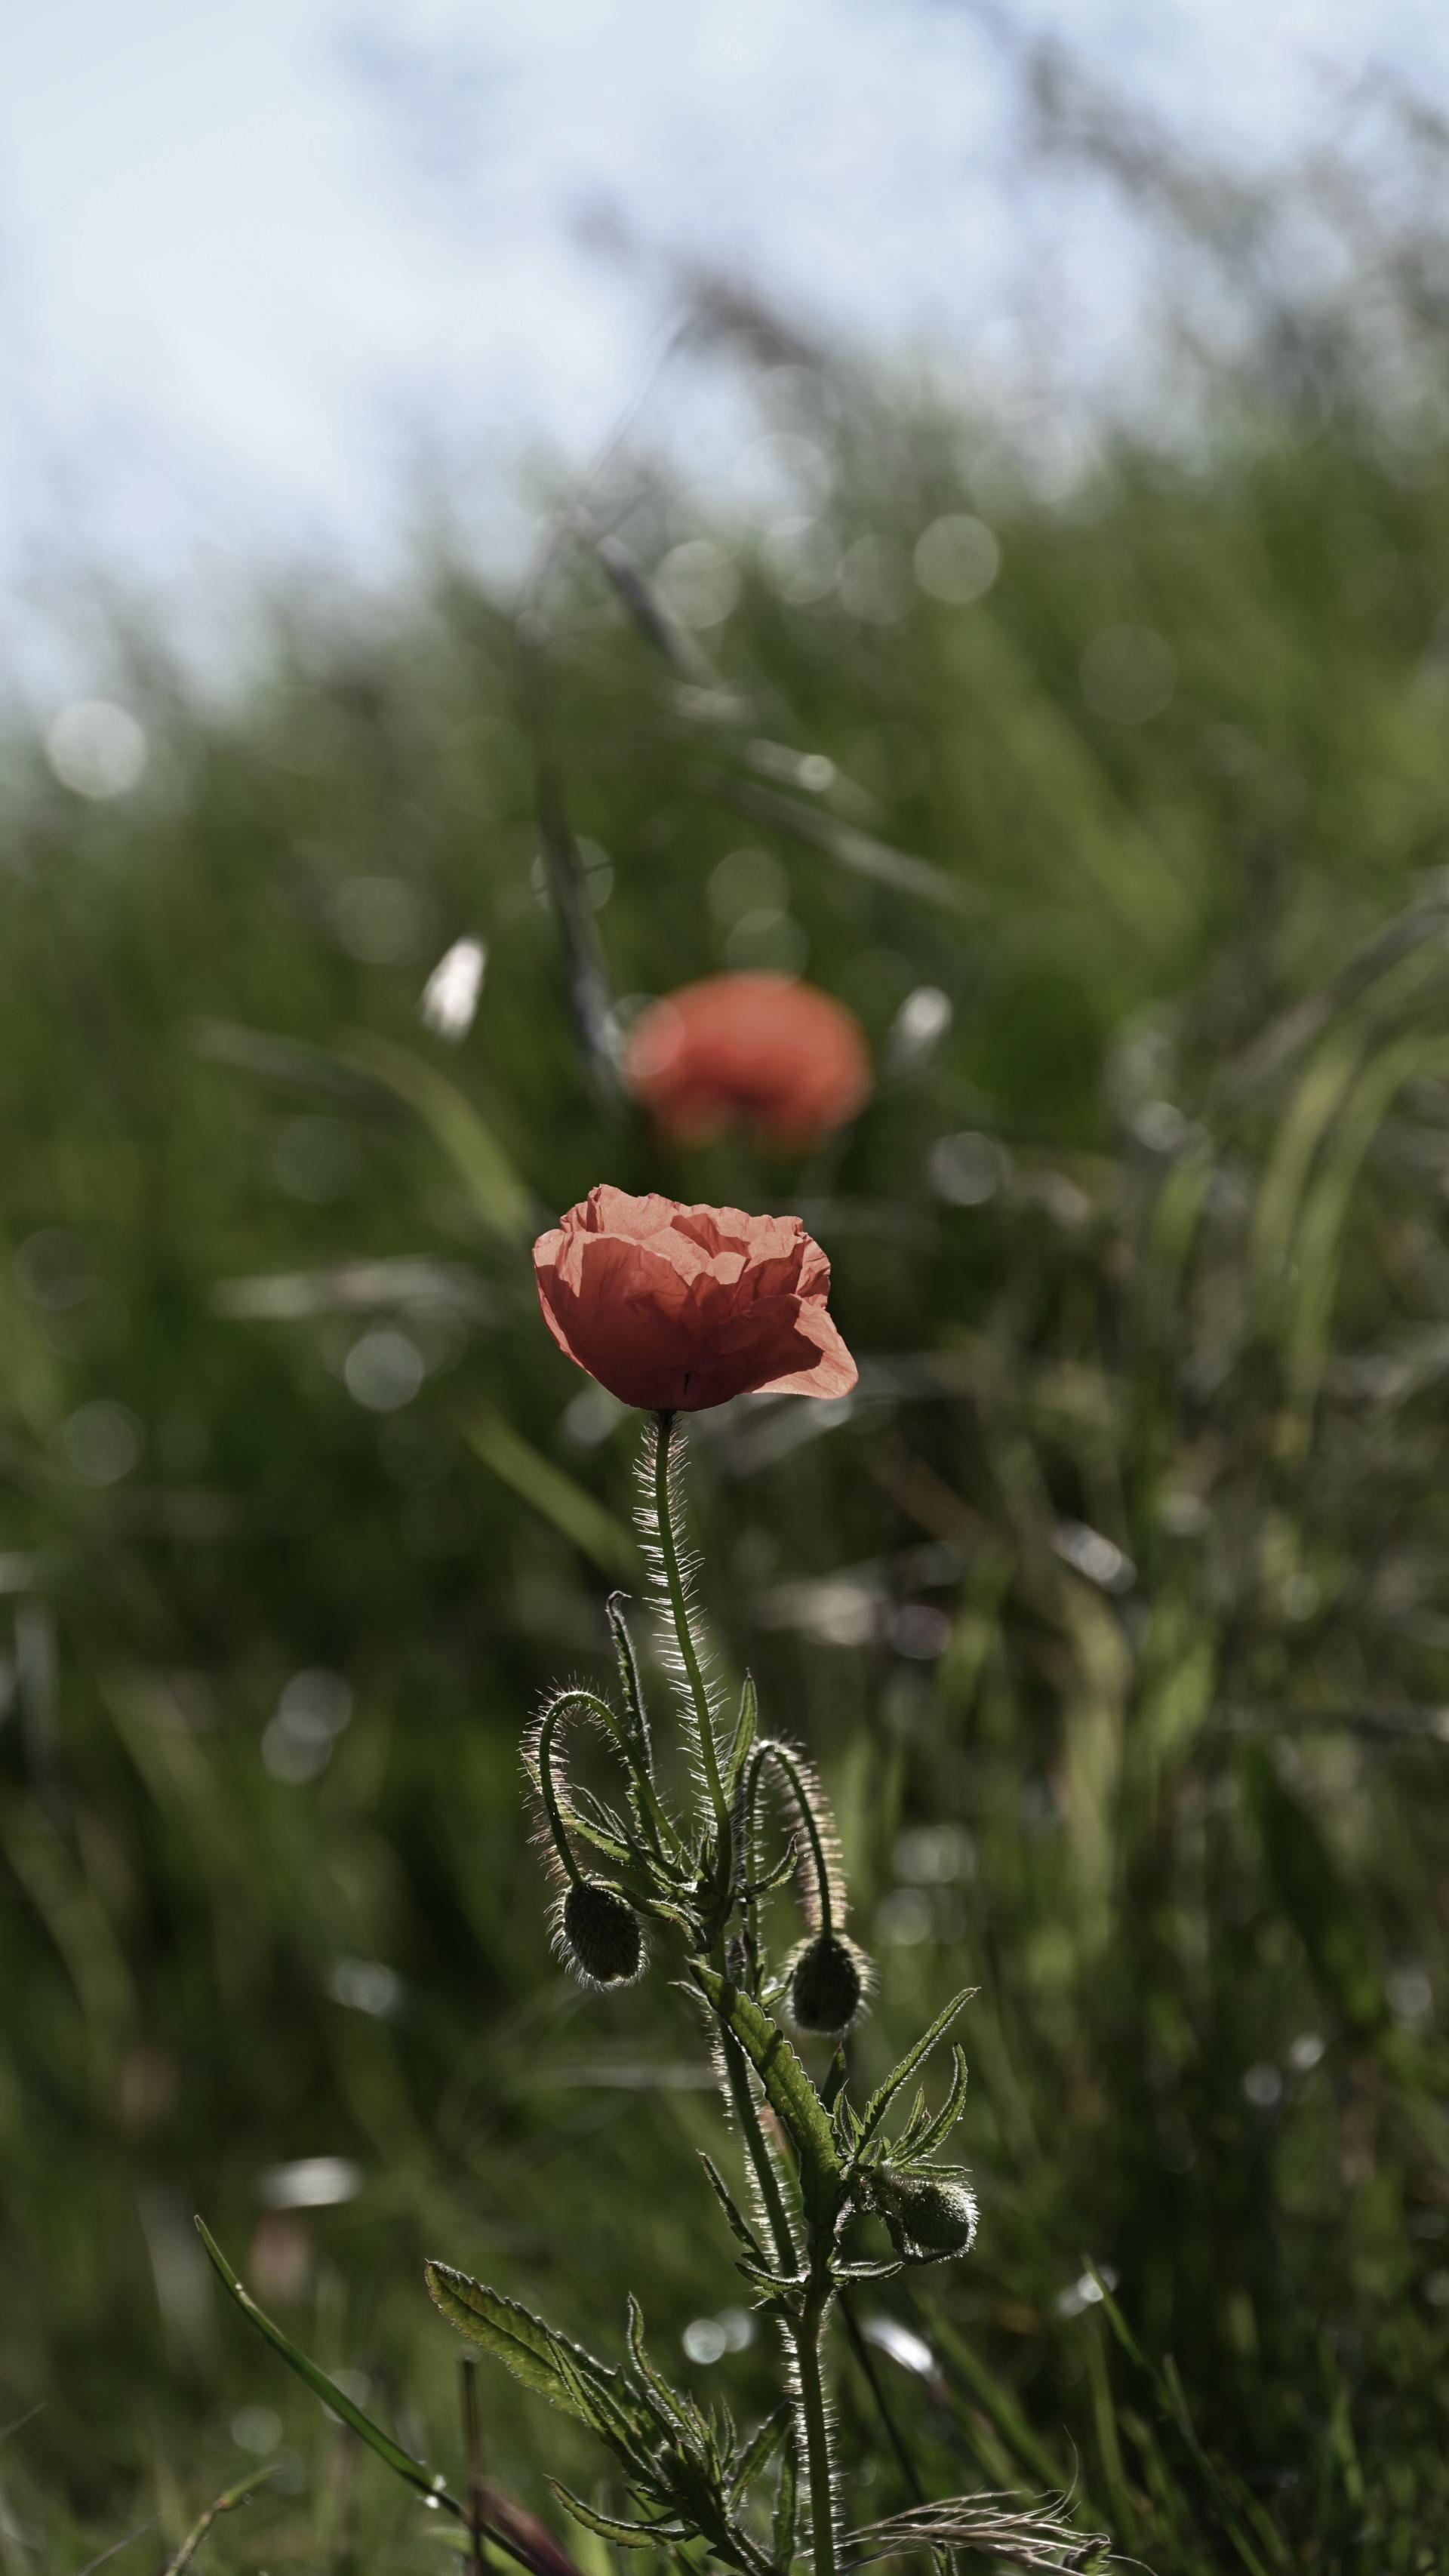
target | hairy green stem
x=784, y=1760
x=608, y=1718
x=549, y=1795
x=762, y=2163
x=694, y=1678
x=814, y=2423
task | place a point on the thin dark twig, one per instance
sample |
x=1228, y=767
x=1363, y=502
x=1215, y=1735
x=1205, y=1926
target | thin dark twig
x=473, y=2460
x=117, y=2546
x=876, y=2385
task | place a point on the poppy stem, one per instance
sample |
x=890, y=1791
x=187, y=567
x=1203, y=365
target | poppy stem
x=679, y=1607
x=550, y=1796
x=784, y=1760
x=815, y=2425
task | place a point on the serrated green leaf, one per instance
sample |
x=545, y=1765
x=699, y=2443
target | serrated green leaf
x=615, y=2527
x=915, y=2123
x=544, y=2361
x=884, y=2094
x=677, y=2413
x=761, y=2447
x=744, y=1736
x=740, y=2227
x=613, y=2412
x=607, y=1818
x=845, y=2124
x=628, y=1663
x=777, y=1873
x=788, y=2089
x=771, y=2288
x=416, y=2472
x=939, y=2129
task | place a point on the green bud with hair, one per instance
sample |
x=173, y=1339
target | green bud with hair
x=931, y=2214
x=599, y=1934
x=829, y=1979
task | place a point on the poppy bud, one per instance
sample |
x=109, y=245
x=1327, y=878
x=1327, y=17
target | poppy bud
x=599, y=1935
x=930, y=2215
x=828, y=1981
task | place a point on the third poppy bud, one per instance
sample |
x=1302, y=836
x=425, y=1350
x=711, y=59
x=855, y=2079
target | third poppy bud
x=759, y=1051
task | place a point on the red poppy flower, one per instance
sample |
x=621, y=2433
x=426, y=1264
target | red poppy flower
x=782, y=1057
x=675, y=1308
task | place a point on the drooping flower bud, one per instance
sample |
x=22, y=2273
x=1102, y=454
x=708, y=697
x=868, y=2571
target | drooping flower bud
x=829, y=1980
x=599, y=1934
x=930, y=2215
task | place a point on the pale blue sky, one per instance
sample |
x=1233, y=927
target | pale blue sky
x=258, y=264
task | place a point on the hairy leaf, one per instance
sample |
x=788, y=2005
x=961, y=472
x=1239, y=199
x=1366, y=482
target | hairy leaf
x=760, y=2449
x=946, y=2118
x=884, y=2094
x=677, y=2413
x=610, y=2526
x=544, y=2361
x=740, y=2226
x=744, y=1737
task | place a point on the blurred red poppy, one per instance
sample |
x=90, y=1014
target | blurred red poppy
x=781, y=1057
x=676, y=1308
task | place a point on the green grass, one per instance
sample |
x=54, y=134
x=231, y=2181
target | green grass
x=1172, y=1795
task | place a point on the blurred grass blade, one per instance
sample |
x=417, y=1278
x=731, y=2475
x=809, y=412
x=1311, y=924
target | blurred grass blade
x=501, y=1199
x=1314, y=1897
x=295, y=1061
x=591, y=995
x=573, y=1511
x=415, y=2472
x=658, y=626
x=1232, y=2500
x=858, y=851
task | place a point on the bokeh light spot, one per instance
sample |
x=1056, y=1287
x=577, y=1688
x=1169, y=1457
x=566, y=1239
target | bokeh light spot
x=96, y=748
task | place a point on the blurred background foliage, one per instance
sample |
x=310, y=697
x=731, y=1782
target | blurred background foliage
x=1114, y=1607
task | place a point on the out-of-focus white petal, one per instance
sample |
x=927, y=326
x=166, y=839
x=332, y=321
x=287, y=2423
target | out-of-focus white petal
x=450, y=995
